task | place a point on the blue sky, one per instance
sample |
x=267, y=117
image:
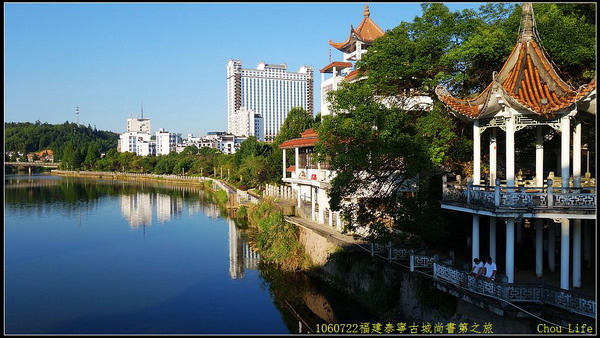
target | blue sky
x=107, y=58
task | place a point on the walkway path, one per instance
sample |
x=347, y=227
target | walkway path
x=347, y=242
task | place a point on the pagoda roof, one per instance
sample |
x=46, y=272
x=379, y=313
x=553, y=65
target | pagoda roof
x=367, y=31
x=527, y=82
x=308, y=139
x=337, y=64
x=352, y=75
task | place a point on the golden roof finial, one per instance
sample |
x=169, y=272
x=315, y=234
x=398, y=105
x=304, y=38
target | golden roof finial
x=366, y=12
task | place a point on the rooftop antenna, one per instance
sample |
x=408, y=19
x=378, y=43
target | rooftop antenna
x=142, y=108
x=329, y=54
x=77, y=114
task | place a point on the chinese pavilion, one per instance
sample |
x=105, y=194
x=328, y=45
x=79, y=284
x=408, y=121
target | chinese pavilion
x=354, y=47
x=528, y=93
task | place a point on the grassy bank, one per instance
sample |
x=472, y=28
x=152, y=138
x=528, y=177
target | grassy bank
x=276, y=240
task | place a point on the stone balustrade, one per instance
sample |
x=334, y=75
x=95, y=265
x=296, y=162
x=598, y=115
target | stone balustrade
x=502, y=196
x=281, y=191
x=515, y=293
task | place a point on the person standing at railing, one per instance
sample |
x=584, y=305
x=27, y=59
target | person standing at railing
x=477, y=269
x=490, y=269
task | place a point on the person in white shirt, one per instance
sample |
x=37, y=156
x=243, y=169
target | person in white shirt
x=490, y=269
x=477, y=269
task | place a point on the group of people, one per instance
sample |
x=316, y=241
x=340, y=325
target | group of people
x=487, y=270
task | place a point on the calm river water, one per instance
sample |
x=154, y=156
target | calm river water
x=94, y=256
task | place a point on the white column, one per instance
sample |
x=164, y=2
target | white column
x=564, y=253
x=577, y=154
x=283, y=163
x=551, y=246
x=475, y=244
x=338, y=221
x=299, y=196
x=493, y=238
x=312, y=202
x=330, y=218
x=296, y=161
x=564, y=151
x=321, y=210
x=577, y=222
x=510, y=250
x=539, y=158
x=577, y=253
x=539, y=247
x=476, y=153
x=510, y=151
x=493, y=150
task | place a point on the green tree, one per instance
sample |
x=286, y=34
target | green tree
x=183, y=165
x=296, y=121
x=92, y=155
x=165, y=164
x=71, y=158
x=190, y=150
x=250, y=146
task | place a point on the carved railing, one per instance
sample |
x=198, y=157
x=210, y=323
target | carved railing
x=514, y=293
x=422, y=261
x=577, y=198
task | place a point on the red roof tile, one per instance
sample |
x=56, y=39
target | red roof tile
x=309, y=139
x=367, y=31
x=338, y=64
x=527, y=77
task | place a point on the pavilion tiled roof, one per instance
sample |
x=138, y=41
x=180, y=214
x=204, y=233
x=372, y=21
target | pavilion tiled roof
x=367, y=31
x=352, y=75
x=527, y=81
x=308, y=139
x=337, y=64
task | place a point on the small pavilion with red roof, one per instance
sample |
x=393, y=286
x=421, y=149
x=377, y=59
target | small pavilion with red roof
x=310, y=179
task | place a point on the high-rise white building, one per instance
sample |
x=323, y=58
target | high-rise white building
x=138, y=125
x=166, y=142
x=135, y=142
x=268, y=90
x=246, y=122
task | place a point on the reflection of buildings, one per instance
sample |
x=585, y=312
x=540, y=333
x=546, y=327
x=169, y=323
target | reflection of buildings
x=167, y=207
x=211, y=210
x=241, y=256
x=194, y=207
x=137, y=209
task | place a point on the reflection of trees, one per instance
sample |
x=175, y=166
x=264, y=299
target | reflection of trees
x=296, y=294
x=72, y=196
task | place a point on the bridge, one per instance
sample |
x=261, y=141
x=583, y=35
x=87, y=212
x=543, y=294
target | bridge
x=33, y=164
x=29, y=165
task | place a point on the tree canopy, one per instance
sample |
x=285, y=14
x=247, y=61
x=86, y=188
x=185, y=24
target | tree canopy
x=377, y=144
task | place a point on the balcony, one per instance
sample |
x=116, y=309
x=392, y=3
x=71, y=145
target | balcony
x=524, y=200
x=309, y=176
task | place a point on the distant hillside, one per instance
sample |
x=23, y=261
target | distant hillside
x=26, y=137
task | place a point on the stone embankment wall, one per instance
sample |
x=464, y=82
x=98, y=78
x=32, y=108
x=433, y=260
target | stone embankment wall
x=393, y=293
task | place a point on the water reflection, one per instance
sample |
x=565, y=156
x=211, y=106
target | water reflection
x=241, y=255
x=194, y=295
x=137, y=209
